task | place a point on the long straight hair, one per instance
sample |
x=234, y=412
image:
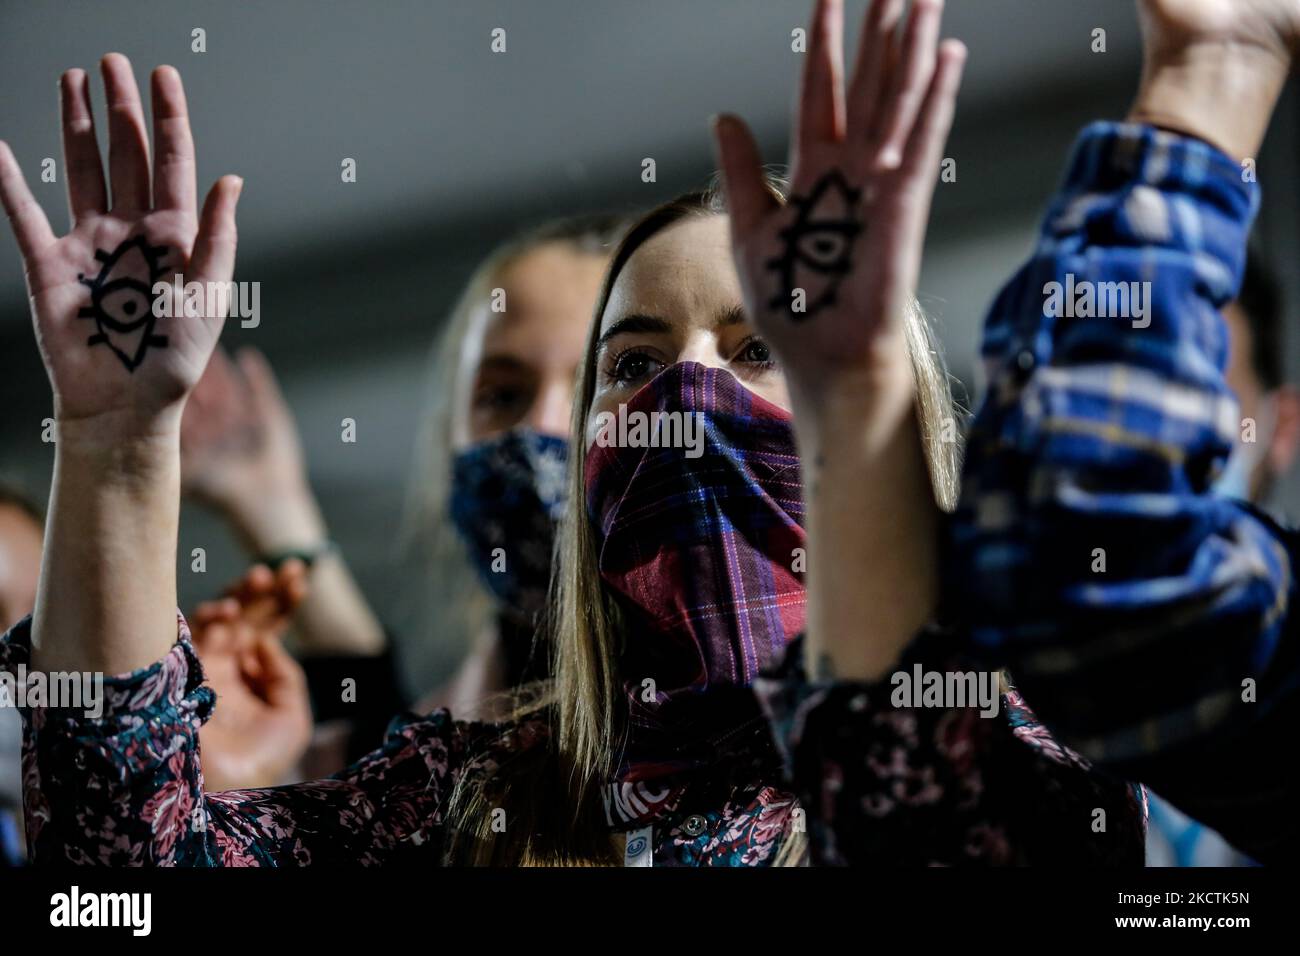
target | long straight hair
x=552, y=797
x=452, y=602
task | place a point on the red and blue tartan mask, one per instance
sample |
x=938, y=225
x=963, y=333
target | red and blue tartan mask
x=699, y=543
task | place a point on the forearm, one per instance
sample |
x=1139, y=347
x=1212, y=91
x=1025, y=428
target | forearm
x=107, y=596
x=872, y=523
x=334, y=618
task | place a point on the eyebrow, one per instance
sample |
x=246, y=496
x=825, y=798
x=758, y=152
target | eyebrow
x=634, y=323
x=732, y=316
x=638, y=322
x=505, y=363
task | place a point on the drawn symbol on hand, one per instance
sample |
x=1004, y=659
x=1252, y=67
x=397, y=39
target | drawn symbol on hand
x=121, y=303
x=818, y=246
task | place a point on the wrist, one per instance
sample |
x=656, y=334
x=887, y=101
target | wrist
x=1219, y=93
x=284, y=519
x=118, y=454
x=870, y=406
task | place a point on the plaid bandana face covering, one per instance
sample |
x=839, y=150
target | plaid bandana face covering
x=507, y=495
x=695, y=491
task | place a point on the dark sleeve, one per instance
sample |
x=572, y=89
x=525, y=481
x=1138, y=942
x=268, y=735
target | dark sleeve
x=887, y=785
x=364, y=690
x=125, y=786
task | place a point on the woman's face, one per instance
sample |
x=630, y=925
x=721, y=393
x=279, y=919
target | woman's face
x=678, y=299
x=520, y=364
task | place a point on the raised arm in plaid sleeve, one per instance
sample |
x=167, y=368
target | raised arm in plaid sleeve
x=1136, y=608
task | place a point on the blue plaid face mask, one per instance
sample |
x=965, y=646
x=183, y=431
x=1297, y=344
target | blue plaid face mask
x=507, y=496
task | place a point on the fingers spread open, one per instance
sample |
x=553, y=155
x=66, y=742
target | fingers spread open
x=128, y=144
x=871, y=70
x=820, y=117
x=909, y=82
x=31, y=228
x=173, y=144
x=87, y=194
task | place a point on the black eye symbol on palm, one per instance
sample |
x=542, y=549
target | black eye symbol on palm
x=121, y=304
x=818, y=247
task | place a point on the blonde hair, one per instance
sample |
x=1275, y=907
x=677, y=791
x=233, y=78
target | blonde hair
x=452, y=602
x=553, y=799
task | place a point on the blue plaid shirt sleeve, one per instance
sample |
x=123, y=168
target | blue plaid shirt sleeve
x=1088, y=553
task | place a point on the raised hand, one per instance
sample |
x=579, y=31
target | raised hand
x=828, y=276
x=240, y=453
x=262, y=724
x=110, y=358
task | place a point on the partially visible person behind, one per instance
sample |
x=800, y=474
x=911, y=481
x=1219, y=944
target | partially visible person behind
x=241, y=456
x=489, y=482
x=1270, y=408
x=1101, y=551
x=1257, y=375
x=487, y=491
x=21, y=531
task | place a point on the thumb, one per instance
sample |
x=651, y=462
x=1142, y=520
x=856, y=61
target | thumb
x=213, y=259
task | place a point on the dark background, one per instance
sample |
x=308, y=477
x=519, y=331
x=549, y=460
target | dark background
x=458, y=147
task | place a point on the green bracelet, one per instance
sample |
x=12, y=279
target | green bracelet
x=307, y=556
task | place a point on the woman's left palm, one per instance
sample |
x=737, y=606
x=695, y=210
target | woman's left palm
x=828, y=275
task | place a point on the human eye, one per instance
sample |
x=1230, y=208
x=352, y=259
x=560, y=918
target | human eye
x=632, y=365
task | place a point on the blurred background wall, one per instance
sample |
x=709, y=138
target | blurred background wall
x=458, y=147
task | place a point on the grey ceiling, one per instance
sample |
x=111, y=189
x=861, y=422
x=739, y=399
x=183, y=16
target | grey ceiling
x=440, y=126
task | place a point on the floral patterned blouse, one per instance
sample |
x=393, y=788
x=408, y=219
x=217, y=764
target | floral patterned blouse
x=868, y=782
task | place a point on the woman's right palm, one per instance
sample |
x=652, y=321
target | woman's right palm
x=110, y=355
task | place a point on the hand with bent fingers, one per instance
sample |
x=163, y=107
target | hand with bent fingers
x=827, y=277
x=111, y=360
x=239, y=444
x=262, y=723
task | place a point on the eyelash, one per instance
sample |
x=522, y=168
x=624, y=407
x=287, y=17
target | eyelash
x=614, y=362
x=749, y=343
